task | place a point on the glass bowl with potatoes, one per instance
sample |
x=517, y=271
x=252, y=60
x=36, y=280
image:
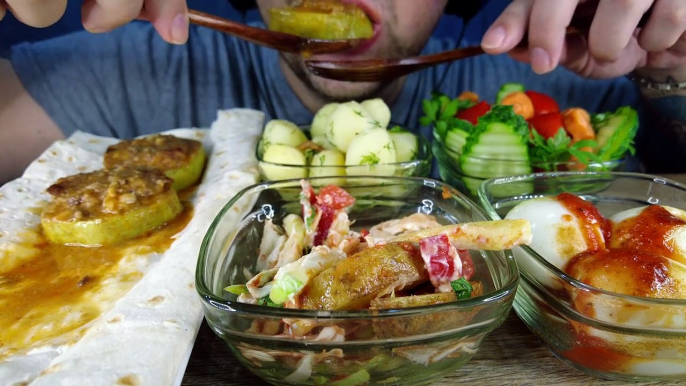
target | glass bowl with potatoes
x=344, y=139
x=314, y=283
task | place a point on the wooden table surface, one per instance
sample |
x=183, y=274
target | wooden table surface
x=511, y=355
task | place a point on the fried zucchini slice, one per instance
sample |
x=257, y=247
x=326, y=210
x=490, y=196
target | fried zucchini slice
x=323, y=19
x=108, y=206
x=356, y=281
x=180, y=159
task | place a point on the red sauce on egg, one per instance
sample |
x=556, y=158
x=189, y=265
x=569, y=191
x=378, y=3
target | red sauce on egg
x=650, y=231
x=589, y=218
x=593, y=353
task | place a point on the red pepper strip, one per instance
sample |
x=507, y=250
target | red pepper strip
x=543, y=104
x=325, y=221
x=473, y=113
x=467, y=263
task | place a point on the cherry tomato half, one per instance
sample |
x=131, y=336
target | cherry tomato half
x=547, y=125
x=473, y=113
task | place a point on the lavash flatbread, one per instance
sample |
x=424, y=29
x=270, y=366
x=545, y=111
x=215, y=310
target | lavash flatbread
x=146, y=335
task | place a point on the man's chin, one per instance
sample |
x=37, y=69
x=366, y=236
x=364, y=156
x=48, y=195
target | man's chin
x=338, y=91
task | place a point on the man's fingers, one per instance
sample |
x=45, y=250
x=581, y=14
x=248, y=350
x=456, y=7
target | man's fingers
x=666, y=25
x=547, y=29
x=613, y=26
x=37, y=13
x=170, y=18
x=509, y=29
x=106, y=15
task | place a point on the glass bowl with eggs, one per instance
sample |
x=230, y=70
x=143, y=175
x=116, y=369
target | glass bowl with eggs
x=344, y=139
x=603, y=283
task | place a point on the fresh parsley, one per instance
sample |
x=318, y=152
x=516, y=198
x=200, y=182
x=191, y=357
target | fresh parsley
x=548, y=153
x=462, y=288
x=440, y=112
x=370, y=159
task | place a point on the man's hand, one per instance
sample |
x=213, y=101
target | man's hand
x=170, y=17
x=614, y=46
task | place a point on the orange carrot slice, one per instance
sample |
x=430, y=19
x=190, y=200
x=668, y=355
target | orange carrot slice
x=521, y=103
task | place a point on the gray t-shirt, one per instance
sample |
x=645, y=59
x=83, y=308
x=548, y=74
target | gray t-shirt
x=129, y=82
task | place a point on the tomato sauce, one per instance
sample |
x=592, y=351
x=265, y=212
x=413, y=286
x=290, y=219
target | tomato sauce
x=593, y=353
x=590, y=219
x=650, y=231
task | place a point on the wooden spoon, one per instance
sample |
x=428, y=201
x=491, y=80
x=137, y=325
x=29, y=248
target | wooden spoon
x=277, y=40
x=375, y=70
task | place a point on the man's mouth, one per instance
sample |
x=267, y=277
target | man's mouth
x=365, y=44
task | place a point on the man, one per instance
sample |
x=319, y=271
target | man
x=130, y=82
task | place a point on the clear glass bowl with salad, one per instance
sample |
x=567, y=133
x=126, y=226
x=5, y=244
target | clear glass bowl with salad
x=523, y=132
x=348, y=285
x=343, y=139
x=603, y=283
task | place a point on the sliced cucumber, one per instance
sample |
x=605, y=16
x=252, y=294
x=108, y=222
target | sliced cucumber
x=373, y=150
x=348, y=120
x=320, y=123
x=498, y=147
x=616, y=132
x=406, y=145
x=379, y=110
x=455, y=139
x=283, y=155
x=507, y=89
x=281, y=132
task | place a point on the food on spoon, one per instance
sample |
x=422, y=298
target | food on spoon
x=108, y=206
x=322, y=19
x=346, y=138
x=180, y=159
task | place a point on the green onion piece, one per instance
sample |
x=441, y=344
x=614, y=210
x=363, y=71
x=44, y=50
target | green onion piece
x=462, y=288
x=237, y=289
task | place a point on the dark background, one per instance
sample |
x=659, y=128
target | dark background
x=13, y=32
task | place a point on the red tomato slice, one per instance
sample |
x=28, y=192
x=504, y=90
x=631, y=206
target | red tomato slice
x=334, y=197
x=543, y=104
x=473, y=113
x=547, y=124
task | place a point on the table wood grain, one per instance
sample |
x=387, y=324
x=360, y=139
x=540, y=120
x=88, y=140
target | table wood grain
x=510, y=355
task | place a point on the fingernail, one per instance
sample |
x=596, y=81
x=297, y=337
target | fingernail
x=179, y=29
x=494, y=38
x=540, y=60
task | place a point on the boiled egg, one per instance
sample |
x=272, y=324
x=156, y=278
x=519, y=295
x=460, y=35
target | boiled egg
x=658, y=229
x=559, y=233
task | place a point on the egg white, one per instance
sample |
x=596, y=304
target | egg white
x=557, y=233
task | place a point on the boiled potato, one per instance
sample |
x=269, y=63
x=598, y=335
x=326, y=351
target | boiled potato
x=323, y=142
x=373, y=150
x=406, y=145
x=354, y=282
x=322, y=20
x=333, y=164
x=283, y=155
x=348, y=120
x=320, y=123
x=379, y=110
x=281, y=132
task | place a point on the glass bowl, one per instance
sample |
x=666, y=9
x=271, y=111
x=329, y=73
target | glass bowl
x=420, y=167
x=596, y=342
x=451, y=172
x=409, y=346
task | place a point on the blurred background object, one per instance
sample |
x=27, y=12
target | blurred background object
x=12, y=32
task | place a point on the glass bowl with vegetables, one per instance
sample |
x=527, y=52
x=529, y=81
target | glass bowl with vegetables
x=523, y=132
x=603, y=283
x=344, y=139
x=339, y=285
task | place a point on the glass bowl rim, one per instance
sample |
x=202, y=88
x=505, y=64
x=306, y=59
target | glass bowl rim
x=424, y=147
x=505, y=289
x=558, y=273
x=444, y=148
